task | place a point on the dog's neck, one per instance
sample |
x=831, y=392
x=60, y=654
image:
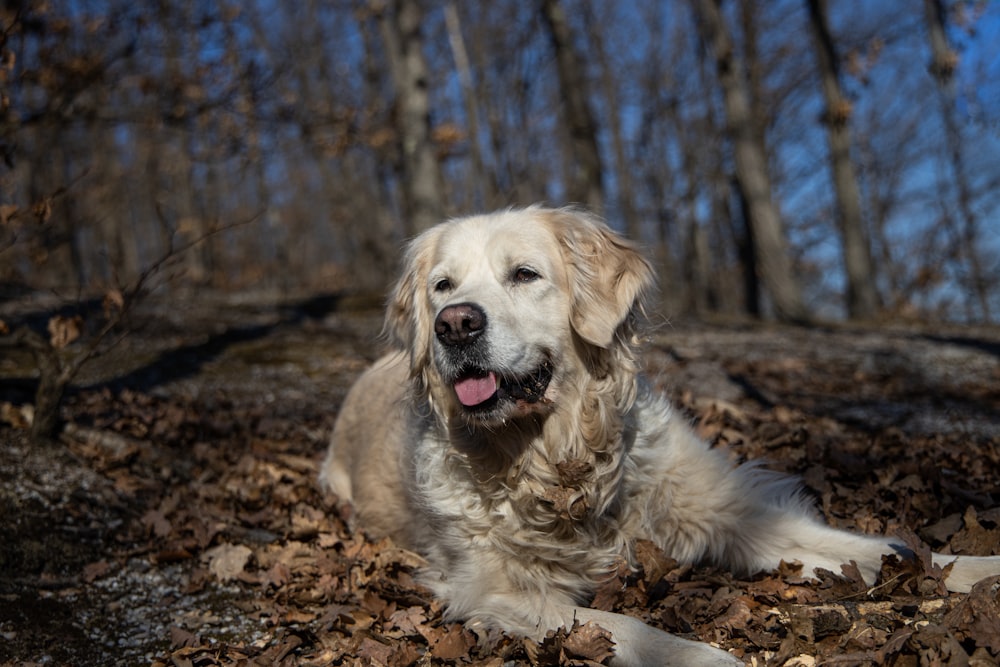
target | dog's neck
x=518, y=460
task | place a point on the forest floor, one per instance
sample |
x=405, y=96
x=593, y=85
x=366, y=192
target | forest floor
x=178, y=520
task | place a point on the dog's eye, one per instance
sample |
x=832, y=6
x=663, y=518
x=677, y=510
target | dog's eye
x=525, y=275
x=442, y=285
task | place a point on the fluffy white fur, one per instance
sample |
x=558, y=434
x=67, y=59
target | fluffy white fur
x=522, y=505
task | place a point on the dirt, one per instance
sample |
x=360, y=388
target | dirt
x=178, y=522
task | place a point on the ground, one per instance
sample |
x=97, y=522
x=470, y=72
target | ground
x=178, y=522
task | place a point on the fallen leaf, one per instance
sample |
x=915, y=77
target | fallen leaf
x=977, y=617
x=974, y=538
x=227, y=561
x=156, y=523
x=590, y=642
x=276, y=576
x=95, y=571
x=181, y=638
x=455, y=643
x=408, y=620
x=375, y=651
x=573, y=471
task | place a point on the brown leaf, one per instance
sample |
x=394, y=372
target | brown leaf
x=977, y=617
x=736, y=617
x=974, y=538
x=64, y=330
x=942, y=530
x=375, y=651
x=114, y=302
x=227, y=561
x=573, y=471
x=930, y=577
x=298, y=616
x=373, y=602
x=156, y=523
x=7, y=213
x=453, y=644
x=609, y=591
x=94, y=571
x=590, y=642
x=569, y=503
x=409, y=620
x=276, y=576
x=18, y=417
x=181, y=638
x=294, y=555
x=306, y=521
x=654, y=562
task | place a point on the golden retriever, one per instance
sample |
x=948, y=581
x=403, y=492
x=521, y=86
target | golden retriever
x=513, y=442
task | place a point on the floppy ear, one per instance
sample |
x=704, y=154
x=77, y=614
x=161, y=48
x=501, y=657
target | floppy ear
x=407, y=315
x=608, y=277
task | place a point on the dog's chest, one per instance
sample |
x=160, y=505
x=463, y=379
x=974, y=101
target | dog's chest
x=553, y=525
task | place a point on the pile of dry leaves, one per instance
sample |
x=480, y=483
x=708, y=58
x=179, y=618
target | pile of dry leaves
x=181, y=527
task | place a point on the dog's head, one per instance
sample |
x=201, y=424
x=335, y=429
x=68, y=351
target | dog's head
x=500, y=312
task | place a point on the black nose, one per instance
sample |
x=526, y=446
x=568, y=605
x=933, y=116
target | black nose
x=460, y=324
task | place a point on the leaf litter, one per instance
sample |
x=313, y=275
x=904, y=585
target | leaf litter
x=181, y=523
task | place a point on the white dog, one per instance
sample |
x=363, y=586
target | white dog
x=514, y=443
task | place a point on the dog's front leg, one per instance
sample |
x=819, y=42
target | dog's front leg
x=533, y=615
x=638, y=644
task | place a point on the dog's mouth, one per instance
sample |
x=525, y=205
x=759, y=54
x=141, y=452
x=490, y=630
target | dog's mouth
x=479, y=390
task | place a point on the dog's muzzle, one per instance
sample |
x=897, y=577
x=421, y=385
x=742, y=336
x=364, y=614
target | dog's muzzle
x=460, y=328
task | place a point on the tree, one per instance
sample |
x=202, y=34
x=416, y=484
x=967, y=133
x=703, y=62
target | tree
x=944, y=60
x=422, y=188
x=862, y=299
x=609, y=90
x=479, y=184
x=354, y=124
x=583, y=157
x=769, y=242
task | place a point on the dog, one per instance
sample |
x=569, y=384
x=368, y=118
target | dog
x=513, y=442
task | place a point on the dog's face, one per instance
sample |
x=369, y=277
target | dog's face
x=494, y=308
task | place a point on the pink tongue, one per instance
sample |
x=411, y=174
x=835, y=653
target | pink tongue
x=475, y=390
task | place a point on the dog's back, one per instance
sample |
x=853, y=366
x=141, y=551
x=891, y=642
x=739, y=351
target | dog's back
x=363, y=462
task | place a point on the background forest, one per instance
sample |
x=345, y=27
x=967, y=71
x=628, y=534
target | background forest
x=791, y=159
x=189, y=187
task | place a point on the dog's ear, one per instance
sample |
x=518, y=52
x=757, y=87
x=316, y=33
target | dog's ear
x=407, y=315
x=608, y=276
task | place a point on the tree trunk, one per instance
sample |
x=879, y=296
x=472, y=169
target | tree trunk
x=479, y=188
x=623, y=168
x=943, y=63
x=862, y=299
x=770, y=245
x=423, y=191
x=584, y=184
x=45, y=425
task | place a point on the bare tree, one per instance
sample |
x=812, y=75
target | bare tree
x=609, y=88
x=862, y=298
x=584, y=184
x=480, y=185
x=355, y=124
x=423, y=191
x=944, y=60
x=769, y=242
